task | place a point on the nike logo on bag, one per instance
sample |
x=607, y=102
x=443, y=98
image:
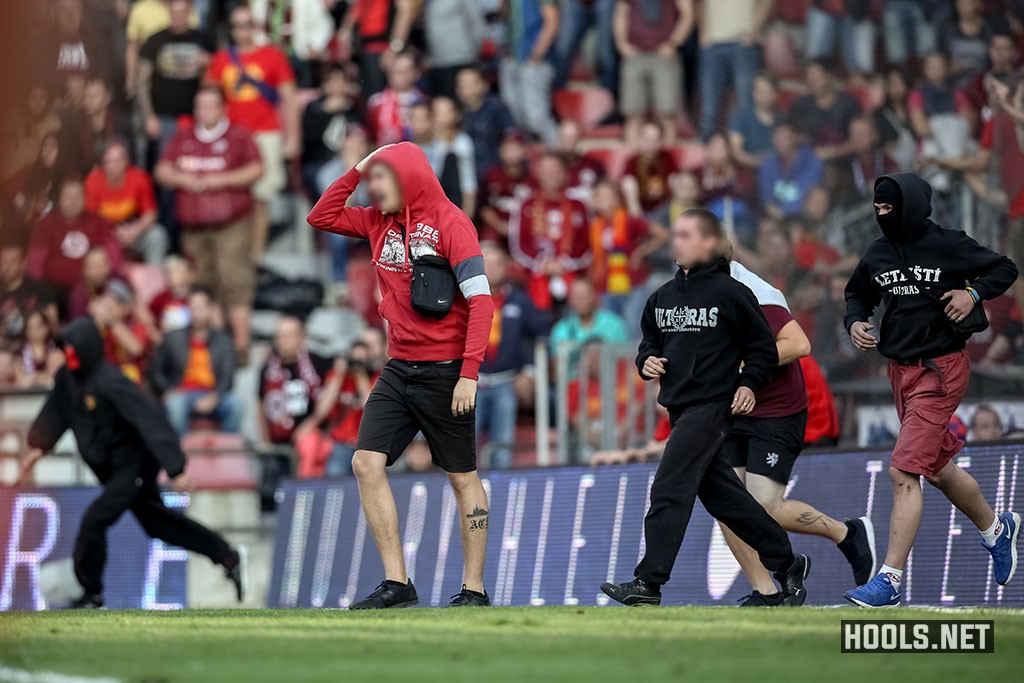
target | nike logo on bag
x=442, y=302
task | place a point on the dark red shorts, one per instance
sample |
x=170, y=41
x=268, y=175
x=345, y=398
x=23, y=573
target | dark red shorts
x=926, y=396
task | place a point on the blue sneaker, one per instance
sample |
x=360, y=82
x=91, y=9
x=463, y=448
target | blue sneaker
x=878, y=592
x=1004, y=552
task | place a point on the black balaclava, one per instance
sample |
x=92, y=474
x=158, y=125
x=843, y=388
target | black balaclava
x=888, y=191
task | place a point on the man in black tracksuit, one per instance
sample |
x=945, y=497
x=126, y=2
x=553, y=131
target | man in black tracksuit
x=930, y=280
x=125, y=438
x=697, y=331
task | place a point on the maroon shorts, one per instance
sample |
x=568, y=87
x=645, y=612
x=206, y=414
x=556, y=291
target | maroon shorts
x=927, y=394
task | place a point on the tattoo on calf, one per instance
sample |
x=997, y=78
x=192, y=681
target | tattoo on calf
x=810, y=519
x=478, y=518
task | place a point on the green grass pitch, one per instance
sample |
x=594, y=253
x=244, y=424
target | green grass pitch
x=640, y=645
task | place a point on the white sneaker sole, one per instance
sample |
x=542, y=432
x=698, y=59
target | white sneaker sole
x=866, y=605
x=243, y=569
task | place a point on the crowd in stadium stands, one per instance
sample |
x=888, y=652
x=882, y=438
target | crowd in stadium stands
x=139, y=176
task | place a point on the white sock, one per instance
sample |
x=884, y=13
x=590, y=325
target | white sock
x=895, y=575
x=992, y=533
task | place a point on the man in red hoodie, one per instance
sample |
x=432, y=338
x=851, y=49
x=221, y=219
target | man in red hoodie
x=429, y=385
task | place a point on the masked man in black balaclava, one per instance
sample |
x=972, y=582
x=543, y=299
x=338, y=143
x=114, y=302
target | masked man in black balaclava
x=125, y=439
x=930, y=280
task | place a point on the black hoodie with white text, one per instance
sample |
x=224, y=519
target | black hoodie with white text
x=914, y=325
x=115, y=422
x=706, y=323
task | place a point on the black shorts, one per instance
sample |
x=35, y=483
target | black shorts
x=417, y=397
x=766, y=445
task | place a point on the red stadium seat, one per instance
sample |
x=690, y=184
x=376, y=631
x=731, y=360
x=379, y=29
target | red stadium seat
x=612, y=158
x=690, y=156
x=587, y=106
x=147, y=280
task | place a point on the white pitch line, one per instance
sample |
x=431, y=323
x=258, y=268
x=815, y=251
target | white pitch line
x=9, y=675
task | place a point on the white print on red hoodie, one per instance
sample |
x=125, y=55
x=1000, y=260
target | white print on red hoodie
x=433, y=225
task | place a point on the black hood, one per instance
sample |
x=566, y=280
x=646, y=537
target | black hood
x=719, y=264
x=84, y=338
x=917, y=207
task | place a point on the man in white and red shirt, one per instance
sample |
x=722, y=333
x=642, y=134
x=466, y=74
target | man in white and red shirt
x=212, y=166
x=430, y=383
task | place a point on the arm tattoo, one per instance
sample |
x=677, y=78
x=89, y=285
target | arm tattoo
x=477, y=518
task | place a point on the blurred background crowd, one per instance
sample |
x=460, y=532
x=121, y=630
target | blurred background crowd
x=159, y=157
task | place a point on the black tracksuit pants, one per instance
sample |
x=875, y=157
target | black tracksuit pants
x=133, y=487
x=693, y=467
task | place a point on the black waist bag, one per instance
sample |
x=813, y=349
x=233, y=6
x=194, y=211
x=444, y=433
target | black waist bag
x=433, y=286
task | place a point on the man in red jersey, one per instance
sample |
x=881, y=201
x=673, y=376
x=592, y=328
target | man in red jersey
x=429, y=385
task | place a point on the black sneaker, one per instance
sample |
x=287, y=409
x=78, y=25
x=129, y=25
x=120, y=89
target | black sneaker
x=792, y=581
x=236, y=568
x=468, y=598
x=759, y=599
x=87, y=602
x=389, y=595
x=636, y=592
x=859, y=549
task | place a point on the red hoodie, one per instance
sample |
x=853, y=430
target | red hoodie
x=429, y=224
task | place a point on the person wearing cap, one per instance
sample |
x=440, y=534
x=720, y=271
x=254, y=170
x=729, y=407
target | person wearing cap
x=125, y=339
x=930, y=281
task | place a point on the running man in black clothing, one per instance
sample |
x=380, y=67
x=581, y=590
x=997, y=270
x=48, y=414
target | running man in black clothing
x=125, y=438
x=697, y=330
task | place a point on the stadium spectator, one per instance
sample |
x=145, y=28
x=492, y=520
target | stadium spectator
x=380, y=30
x=172, y=61
x=1003, y=340
x=585, y=323
x=526, y=74
x=645, y=182
x=965, y=40
x=729, y=33
x=85, y=131
x=30, y=125
x=719, y=178
x=61, y=240
x=648, y=36
x=619, y=244
x=824, y=114
x=1003, y=56
x=421, y=125
x=892, y=121
x=452, y=156
x=340, y=408
x=389, y=109
x=21, y=294
x=583, y=171
x=33, y=189
x=507, y=373
x=788, y=172
x=212, y=166
x=685, y=188
x=122, y=194
x=290, y=382
x=259, y=87
x=986, y=425
x=485, y=118
x=846, y=24
x=146, y=18
x=325, y=123
x=96, y=273
x=77, y=48
x=125, y=338
x=38, y=358
x=750, y=131
x=194, y=369
x=577, y=18
x=443, y=20
x=549, y=236
x=906, y=30
x=169, y=308
x=354, y=148
x=868, y=159
x=505, y=187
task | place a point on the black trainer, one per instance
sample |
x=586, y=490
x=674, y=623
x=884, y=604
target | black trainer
x=859, y=549
x=792, y=581
x=636, y=592
x=236, y=568
x=389, y=595
x=87, y=602
x=759, y=599
x=468, y=598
